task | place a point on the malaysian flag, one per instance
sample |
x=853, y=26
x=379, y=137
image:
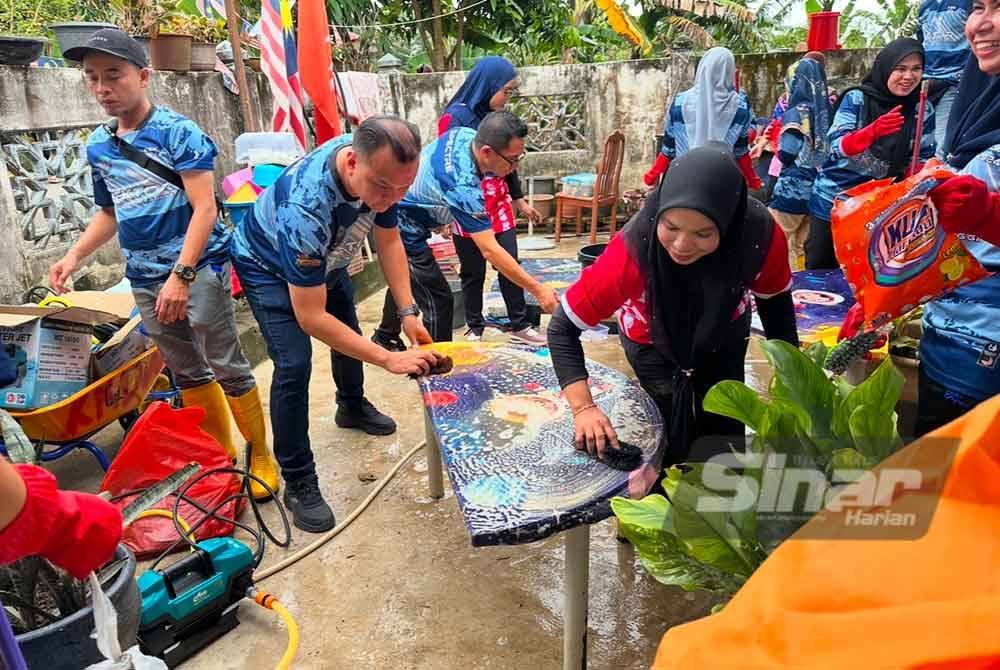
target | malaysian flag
x=279, y=60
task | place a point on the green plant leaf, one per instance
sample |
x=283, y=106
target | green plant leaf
x=813, y=6
x=881, y=392
x=798, y=379
x=713, y=537
x=816, y=352
x=648, y=525
x=848, y=459
x=874, y=433
x=735, y=400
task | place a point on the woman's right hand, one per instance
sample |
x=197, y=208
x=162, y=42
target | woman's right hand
x=594, y=431
x=410, y=362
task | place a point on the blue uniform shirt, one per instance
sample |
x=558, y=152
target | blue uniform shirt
x=305, y=224
x=153, y=215
x=960, y=347
x=795, y=183
x=942, y=32
x=675, y=137
x=448, y=188
x=842, y=172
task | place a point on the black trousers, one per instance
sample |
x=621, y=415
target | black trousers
x=473, y=275
x=937, y=406
x=820, y=254
x=655, y=374
x=433, y=296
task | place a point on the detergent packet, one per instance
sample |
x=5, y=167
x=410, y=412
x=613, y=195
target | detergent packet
x=894, y=254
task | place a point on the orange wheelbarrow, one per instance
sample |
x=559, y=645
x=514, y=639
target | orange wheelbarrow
x=118, y=396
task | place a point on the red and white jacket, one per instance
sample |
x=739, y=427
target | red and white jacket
x=616, y=281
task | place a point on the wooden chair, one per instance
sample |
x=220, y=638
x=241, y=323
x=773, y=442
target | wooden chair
x=605, y=189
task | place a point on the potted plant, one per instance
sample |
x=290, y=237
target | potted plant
x=170, y=37
x=70, y=34
x=20, y=30
x=20, y=49
x=206, y=33
x=824, y=26
x=135, y=17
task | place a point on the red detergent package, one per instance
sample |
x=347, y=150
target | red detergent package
x=894, y=254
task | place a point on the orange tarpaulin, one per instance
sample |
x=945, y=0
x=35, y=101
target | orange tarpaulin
x=928, y=603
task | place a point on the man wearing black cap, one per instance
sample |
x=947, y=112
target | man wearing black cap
x=154, y=186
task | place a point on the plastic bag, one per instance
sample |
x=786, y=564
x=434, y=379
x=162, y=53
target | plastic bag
x=163, y=440
x=894, y=254
x=106, y=635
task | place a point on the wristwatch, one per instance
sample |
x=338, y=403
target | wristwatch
x=412, y=310
x=185, y=272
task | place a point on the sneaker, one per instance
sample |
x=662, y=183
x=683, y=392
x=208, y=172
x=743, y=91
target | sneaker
x=529, y=336
x=473, y=336
x=365, y=417
x=309, y=511
x=388, y=342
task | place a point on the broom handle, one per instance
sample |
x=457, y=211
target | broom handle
x=915, y=160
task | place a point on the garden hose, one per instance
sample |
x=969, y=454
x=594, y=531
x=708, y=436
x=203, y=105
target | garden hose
x=261, y=575
x=268, y=601
x=165, y=513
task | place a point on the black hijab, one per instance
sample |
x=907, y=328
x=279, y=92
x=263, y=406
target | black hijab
x=893, y=149
x=974, y=125
x=691, y=307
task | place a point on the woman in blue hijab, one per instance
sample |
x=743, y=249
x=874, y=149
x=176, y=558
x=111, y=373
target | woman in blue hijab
x=802, y=150
x=487, y=88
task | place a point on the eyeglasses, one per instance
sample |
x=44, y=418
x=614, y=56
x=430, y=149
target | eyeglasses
x=510, y=161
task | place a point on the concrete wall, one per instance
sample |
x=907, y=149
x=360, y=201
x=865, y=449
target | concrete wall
x=630, y=95
x=56, y=99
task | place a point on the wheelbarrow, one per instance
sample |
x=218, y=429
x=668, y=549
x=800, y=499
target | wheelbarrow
x=119, y=396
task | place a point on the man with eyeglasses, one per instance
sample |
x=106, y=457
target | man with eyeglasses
x=461, y=183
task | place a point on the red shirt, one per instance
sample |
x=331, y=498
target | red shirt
x=497, y=205
x=615, y=281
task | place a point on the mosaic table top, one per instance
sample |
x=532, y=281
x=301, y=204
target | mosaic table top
x=506, y=437
x=822, y=298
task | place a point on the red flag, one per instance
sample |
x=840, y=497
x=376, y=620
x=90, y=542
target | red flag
x=316, y=67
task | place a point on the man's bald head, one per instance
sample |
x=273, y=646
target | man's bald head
x=376, y=132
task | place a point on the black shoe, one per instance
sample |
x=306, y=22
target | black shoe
x=365, y=417
x=388, y=341
x=309, y=511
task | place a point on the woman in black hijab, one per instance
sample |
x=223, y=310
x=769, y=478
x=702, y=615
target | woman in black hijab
x=871, y=137
x=680, y=272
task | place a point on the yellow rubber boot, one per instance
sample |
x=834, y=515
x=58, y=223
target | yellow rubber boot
x=249, y=416
x=216, y=423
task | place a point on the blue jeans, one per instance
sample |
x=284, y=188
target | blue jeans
x=290, y=349
x=941, y=113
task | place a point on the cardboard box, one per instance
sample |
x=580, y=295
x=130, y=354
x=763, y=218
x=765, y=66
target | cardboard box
x=126, y=344
x=50, y=348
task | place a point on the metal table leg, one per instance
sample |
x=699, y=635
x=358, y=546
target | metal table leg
x=432, y=452
x=577, y=592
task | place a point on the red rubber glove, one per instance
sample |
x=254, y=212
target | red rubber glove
x=773, y=131
x=746, y=167
x=966, y=206
x=77, y=531
x=889, y=123
x=659, y=167
x=852, y=324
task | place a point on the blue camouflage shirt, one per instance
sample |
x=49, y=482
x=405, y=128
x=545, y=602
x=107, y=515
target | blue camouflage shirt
x=153, y=215
x=960, y=347
x=841, y=172
x=448, y=188
x=675, y=137
x=942, y=32
x=305, y=224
